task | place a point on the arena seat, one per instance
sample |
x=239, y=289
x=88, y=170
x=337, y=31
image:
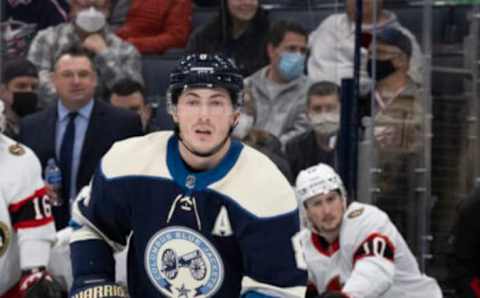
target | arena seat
x=156, y=70
x=201, y=16
x=310, y=19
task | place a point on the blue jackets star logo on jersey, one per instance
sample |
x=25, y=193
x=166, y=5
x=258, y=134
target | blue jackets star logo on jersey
x=182, y=263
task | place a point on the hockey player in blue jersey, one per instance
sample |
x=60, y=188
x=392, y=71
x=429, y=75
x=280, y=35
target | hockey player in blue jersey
x=209, y=216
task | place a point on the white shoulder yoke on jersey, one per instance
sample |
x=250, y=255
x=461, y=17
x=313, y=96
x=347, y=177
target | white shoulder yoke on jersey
x=244, y=175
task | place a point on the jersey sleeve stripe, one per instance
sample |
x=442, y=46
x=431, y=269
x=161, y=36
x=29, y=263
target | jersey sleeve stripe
x=377, y=245
x=17, y=206
x=34, y=211
x=32, y=223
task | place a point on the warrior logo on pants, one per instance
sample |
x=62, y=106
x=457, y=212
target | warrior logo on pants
x=182, y=263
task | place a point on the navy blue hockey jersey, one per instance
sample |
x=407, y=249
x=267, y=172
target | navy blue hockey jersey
x=195, y=234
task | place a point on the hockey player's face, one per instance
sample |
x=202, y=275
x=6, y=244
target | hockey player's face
x=204, y=116
x=325, y=212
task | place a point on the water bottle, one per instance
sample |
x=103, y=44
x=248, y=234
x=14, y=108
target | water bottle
x=53, y=176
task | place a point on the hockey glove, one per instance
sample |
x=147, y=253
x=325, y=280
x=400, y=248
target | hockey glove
x=100, y=290
x=37, y=283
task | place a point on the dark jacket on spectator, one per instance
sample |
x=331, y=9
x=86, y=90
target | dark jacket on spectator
x=106, y=126
x=464, y=263
x=248, y=50
x=303, y=152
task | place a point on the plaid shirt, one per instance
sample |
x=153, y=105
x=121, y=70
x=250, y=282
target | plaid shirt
x=119, y=60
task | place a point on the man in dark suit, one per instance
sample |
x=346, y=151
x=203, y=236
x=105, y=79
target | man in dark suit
x=78, y=130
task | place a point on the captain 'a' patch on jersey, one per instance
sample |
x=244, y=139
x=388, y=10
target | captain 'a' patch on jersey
x=222, y=227
x=182, y=263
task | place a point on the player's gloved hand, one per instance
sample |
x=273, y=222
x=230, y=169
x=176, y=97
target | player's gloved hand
x=38, y=283
x=333, y=294
x=100, y=290
x=63, y=237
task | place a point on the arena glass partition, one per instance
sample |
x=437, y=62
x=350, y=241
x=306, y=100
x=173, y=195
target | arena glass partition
x=394, y=157
x=419, y=158
x=454, y=89
x=396, y=147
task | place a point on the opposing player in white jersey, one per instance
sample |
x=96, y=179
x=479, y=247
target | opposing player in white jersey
x=26, y=224
x=353, y=250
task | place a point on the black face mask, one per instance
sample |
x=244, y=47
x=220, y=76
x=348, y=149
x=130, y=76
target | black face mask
x=24, y=103
x=383, y=69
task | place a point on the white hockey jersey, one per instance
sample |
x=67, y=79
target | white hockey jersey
x=26, y=222
x=370, y=259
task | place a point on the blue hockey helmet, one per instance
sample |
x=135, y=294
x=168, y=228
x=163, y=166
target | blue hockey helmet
x=205, y=70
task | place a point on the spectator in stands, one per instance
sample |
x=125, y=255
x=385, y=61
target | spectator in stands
x=79, y=129
x=18, y=92
x=398, y=138
x=238, y=31
x=332, y=44
x=464, y=264
x=317, y=145
x=262, y=140
x=397, y=104
x=130, y=95
x=118, y=13
x=154, y=26
x=114, y=58
x=21, y=20
x=279, y=89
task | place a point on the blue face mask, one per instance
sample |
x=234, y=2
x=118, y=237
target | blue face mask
x=291, y=65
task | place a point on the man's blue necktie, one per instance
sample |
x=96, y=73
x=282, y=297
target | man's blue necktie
x=66, y=156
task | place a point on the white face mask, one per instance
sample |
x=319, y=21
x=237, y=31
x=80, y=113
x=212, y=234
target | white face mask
x=245, y=124
x=90, y=20
x=325, y=123
x=3, y=118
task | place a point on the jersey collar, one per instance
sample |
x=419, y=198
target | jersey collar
x=199, y=180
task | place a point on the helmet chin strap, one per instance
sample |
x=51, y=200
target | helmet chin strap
x=210, y=153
